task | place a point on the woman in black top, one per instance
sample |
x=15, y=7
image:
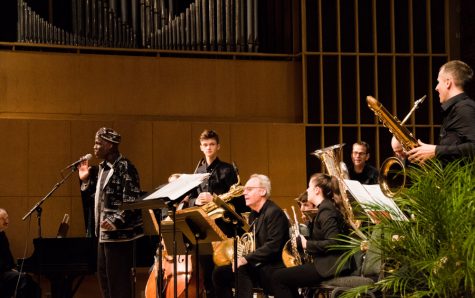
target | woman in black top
x=328, y=223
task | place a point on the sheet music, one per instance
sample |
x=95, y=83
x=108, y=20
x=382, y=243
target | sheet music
x=375, y=191
x=360, y=193
x=178, y=187
x=371, y=198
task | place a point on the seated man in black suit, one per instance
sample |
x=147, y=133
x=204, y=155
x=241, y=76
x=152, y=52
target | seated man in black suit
x=270, y=228
x=12, y=282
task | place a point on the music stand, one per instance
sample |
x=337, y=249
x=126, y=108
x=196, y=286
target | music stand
x=165, y=196
x=238, y=222
x=230, y=214
x=169, y=236
x=200, y=230
x=198, y=226
x=177, y=188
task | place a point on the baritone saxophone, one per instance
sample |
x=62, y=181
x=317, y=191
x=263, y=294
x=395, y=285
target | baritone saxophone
x=392, y=175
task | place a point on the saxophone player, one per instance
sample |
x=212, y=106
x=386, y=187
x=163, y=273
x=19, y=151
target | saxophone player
x=222, y=176
x=270, y=228
x=328, y=223
x=457, y=133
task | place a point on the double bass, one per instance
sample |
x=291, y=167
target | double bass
x=184, y=276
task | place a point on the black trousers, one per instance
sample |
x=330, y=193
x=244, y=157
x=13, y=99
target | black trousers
x=114, y=268
x=292, y=278
x=248, y=277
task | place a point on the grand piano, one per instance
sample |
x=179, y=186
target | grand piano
x=66, y=261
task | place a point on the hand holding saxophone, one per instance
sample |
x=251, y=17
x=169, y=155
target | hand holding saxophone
x=422, y=153
x=304, y=241
x=204, y=198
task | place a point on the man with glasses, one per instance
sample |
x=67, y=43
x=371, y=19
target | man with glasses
x=270, y=227
x=360, y=170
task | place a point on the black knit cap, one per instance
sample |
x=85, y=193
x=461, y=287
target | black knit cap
x=109, y=135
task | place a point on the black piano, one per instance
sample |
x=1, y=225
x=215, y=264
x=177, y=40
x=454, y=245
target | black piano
x=66, y=261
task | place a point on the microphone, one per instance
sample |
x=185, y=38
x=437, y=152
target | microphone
x=83, y=158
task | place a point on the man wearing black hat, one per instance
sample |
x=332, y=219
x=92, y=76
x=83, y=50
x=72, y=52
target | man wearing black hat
x=115, y=182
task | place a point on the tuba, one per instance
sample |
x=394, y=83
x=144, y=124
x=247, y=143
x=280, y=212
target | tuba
x=392, y=175
x=331, y=157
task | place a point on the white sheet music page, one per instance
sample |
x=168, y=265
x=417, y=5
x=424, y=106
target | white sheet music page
x=178, y=187
x=371, y=198
x=386, y=202
x=360, y=193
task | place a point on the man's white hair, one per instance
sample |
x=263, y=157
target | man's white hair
x=264, y=181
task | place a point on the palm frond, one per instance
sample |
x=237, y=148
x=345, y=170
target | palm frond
x=433, y=253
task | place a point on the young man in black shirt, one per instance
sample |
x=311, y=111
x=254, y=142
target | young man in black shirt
x=457, y=133
x=222, y=176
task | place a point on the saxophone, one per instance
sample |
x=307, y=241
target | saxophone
x=392, y=177
x=291, y=254
x=401, y=133
x=213, y=210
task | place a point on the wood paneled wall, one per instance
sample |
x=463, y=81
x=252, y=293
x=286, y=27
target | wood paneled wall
x=82, y=85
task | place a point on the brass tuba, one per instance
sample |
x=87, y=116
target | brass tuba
x=331, y=157
x=392, y=175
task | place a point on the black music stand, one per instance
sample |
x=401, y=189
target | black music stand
x=200, y=230
x=167, y=196
x=175, y=238
x=238, y=224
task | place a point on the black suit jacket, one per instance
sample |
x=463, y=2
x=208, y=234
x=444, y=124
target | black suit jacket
x=6, y=259
x=271, y=232
x=326, y=226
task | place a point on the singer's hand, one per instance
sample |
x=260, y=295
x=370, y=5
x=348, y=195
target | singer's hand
x=83, y=170
x=203, y=198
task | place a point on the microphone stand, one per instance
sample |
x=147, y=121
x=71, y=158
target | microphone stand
x=38, y=209
x=37, y=206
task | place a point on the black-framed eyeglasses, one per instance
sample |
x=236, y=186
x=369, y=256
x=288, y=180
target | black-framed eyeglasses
x=249, y=188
